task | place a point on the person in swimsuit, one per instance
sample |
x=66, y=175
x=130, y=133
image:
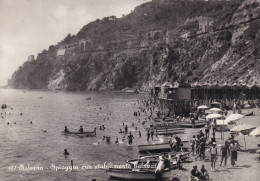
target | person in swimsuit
x=213, y=155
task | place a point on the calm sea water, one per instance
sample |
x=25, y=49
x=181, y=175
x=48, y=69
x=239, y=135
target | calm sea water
x=42, y=142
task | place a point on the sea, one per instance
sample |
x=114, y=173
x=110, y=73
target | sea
x=32, y=144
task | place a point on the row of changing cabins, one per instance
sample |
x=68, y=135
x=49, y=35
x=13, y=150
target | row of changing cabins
x=180, y=98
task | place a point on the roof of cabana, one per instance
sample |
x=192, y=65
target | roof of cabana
x=223, y=85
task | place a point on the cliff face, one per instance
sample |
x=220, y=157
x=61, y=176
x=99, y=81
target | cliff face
x=163, y=40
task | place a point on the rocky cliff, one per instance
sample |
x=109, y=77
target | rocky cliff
x=162, y=40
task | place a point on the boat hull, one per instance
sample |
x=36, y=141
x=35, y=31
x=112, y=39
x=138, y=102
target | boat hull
x=155, y=147
x=129, y=174
x=190, y=125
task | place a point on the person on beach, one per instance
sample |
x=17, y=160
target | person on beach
x=140, y=135
x=130, y=138
x=204, y=173
x=193, y=122
x=195, y=174
x=207, y=128
x=224, y=153
x=202, y=148
x=213, y=139
x=148, y=135
x=66, y=129
x=81, y=129
x=197, y=143
x=201, y=133
x=95, y=131
x=152, y=133
x=193, y=141
x=213, y=155
x=233, y=151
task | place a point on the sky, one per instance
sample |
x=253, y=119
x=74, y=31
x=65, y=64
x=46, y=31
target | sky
x=29, y=26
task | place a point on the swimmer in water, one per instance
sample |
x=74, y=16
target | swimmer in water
x=66, y=129
x=108, y=139
x=81, y=129
x=66, y=152
x=123, y=138
x=116, y=140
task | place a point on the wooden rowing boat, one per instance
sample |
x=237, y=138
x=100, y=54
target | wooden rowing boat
x=137, y=174
x=167, y=129
x=166, y=119
x=190, y=125
x=163, y=147
x=85, y=134
x=149, y=163
x=170, y=132
x=168, y=155
x=249, y=114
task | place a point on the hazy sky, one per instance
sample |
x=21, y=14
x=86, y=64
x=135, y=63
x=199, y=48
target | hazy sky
x=29, y=26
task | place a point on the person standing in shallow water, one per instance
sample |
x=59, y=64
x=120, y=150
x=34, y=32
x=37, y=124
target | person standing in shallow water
x=66, y=129
x=81, y=129
x=126, y=129
x=130, y=138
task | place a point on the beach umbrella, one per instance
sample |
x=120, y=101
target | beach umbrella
x=234, y=117
x=255, y=132
x=202, y=107
x=214, y=116
x=215, y=109
x=242, y=128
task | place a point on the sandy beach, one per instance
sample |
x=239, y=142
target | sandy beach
x=247, y=165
